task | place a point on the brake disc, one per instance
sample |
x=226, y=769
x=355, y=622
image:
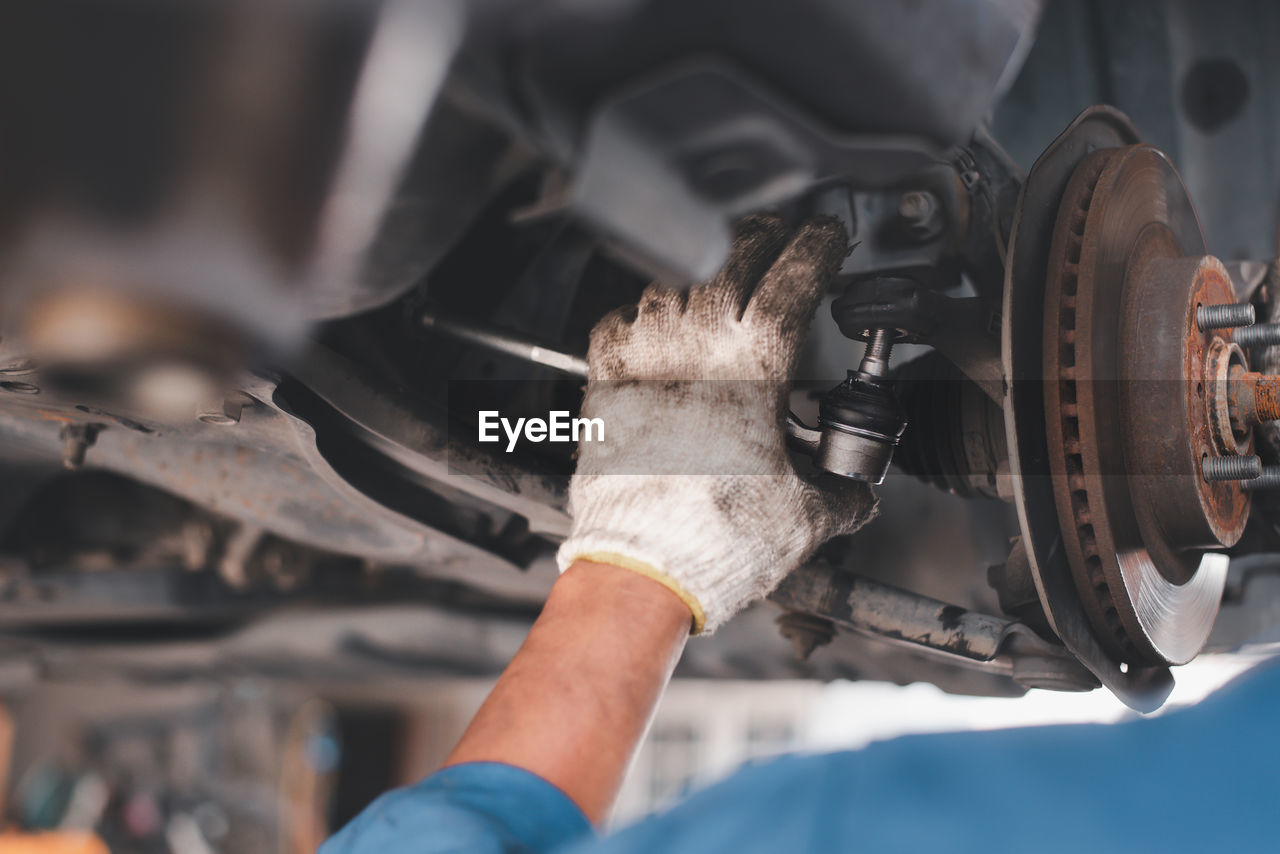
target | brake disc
x=1129, y=399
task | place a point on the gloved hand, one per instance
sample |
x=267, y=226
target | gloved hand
x=692, y=485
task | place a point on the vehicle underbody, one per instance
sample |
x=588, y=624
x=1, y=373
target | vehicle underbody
x=266, y=263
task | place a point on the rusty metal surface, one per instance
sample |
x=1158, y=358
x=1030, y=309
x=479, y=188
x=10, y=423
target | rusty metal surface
x=896, y=615
x=392, y=422
x=267, y=471
x=892, y=613
x=1267, y=359
x=1142, y=688
x=1170, y=396
x=1126, y=413
x=1223, y=361
x=1253, y=398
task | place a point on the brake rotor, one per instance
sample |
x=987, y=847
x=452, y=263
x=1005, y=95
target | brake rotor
x=1129, y=396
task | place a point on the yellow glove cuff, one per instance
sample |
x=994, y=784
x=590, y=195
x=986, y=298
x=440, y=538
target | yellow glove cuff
x=648, y=571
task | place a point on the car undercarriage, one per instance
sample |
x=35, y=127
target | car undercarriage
x=267, y=266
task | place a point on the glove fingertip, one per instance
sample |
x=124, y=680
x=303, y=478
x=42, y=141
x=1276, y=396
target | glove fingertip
x=790, y=292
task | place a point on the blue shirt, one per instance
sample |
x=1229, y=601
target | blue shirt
x=1201, y=779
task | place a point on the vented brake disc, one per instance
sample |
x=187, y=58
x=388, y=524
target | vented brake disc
x=1131, y=386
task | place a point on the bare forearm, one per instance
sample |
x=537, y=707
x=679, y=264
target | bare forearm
x=576, y=700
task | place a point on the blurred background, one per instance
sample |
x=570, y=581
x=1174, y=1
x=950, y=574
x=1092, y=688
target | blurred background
x=261, y=765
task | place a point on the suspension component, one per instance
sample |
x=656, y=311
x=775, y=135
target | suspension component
x=955, y=437
x=859, y=421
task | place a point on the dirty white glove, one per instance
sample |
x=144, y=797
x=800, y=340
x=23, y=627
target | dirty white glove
x=692, y=485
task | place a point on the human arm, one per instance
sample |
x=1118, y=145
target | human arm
x=575, y=701
x=689, y=511
x=549, y=747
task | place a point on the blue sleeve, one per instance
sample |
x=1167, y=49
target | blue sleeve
x=483, y=807
x=1200, y=779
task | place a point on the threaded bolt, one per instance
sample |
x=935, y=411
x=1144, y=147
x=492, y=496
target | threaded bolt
x=1258, y=335
x=916, y=206
x=1233, y=467
x=1269, y=479
x=1253, y=398
x=875, y=360
x=919, y=212
x=1224, y=316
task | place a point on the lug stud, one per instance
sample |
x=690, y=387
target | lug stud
x=1258, y=335
x=1269, y=479
x=1234, y=467
x=1224, y=316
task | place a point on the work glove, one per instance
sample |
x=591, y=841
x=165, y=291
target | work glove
x=692, y=485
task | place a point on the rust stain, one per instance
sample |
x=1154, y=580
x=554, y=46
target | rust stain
x=1266, y=398
x=47, y=415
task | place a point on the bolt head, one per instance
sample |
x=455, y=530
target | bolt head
x=916, y=206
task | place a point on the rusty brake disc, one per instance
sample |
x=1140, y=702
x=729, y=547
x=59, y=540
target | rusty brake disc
x=1129, y=396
